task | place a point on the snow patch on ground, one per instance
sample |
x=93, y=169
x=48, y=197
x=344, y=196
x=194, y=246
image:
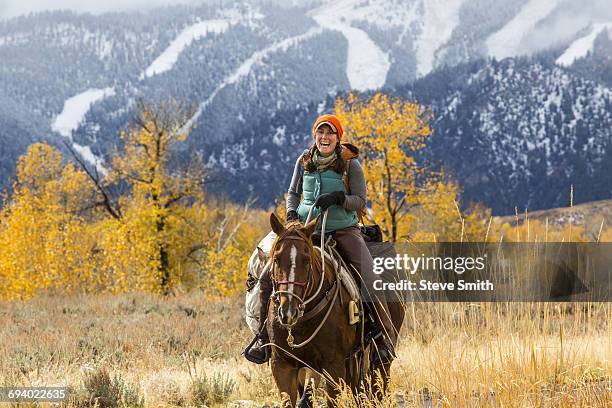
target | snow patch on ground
x=76, y=108
x=86, y=153
x=440, y=19
x=506, y=42
x=582, y=46
x=367, y=64
x=72, y=115
x=166, y=60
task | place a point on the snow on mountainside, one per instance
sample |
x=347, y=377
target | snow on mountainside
x=197, y=31
x=75, y=109
x=439, y=20
x=519, y=132
x=542, y=102
x=243, y=62
x=507, y=41
x=247, y=66
x=86, y=153
x=62, y=35
x=429, y=25
x=582, y=46
x=194, y=32
x=367, y=65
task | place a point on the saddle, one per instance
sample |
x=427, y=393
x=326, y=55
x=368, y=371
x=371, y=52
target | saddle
x=257, y=265
x=346, y=274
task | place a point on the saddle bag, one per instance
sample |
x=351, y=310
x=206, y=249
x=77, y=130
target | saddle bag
x=371, y=233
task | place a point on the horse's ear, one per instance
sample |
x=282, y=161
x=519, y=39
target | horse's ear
x=261, y=255
x=276, y=224
x=309, y=228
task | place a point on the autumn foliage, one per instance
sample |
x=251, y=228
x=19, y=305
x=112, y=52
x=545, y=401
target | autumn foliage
x=65, y=228
x=146, y=223
x=408, y=201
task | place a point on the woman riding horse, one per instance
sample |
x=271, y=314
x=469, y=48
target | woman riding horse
x=318, y=179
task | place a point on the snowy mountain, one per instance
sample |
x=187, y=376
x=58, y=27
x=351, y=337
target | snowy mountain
x=521, y=132
x=243, y=64
x=518, y=132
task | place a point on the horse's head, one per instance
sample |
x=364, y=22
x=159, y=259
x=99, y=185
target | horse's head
x=294, y=260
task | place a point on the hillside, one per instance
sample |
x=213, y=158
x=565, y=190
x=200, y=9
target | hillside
x=587, y=215
x=526, y=104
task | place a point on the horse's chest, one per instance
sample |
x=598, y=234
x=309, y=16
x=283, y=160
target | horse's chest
x=329, y=344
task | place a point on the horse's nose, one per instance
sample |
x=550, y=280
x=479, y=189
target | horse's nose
x=287, y=313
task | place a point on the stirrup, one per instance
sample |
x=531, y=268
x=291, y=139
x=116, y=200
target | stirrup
x=257, y=355
x=383, y=352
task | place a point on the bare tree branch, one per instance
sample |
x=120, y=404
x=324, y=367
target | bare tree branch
x=112, y=208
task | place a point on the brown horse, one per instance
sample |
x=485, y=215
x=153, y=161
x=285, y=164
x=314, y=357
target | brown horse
x=308, y=324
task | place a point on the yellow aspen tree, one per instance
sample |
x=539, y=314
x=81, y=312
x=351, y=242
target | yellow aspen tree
x=441, y=219
x=44, y=242
x=402, y=193
x=388, y=132
x=230, y=230
x=155, y=233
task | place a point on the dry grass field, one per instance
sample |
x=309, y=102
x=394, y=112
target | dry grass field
x=142, y=350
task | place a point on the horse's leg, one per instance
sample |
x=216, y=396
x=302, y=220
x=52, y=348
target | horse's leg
x=397, y=310
x=286, y=378
x=307, y=386
x=307, y=396
x=337, y=371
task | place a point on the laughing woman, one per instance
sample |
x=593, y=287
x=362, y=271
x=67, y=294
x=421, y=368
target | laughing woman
x=318, y=181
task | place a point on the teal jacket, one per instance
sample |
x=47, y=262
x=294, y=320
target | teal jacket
x=313, y=185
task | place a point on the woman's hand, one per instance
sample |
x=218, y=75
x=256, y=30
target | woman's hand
x=292, y=215
x=324, y=201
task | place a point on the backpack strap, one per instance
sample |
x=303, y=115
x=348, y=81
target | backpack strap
x=347, y=186
x=301, y=168
x=345, y=177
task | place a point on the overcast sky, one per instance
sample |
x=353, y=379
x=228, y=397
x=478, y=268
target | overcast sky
x=595, y=9
x=12, y=8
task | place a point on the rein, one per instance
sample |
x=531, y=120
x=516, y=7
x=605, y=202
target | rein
x=303, y=302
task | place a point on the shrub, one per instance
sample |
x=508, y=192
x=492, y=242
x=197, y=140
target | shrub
x=100, y=390
x=205, y=391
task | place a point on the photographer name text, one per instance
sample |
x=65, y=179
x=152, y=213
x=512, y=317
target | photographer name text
x=427, y=285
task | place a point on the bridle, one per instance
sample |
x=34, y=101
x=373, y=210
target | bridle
x=302, y=302
x=307, y=299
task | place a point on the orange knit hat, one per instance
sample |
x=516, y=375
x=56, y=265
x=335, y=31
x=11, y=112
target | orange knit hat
x=330, y=120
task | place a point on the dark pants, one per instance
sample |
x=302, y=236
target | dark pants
x=353, y=249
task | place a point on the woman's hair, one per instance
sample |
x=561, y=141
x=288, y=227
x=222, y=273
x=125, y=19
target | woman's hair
x=308, y=164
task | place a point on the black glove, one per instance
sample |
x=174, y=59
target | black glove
x=292, y=215
x=328, y=199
